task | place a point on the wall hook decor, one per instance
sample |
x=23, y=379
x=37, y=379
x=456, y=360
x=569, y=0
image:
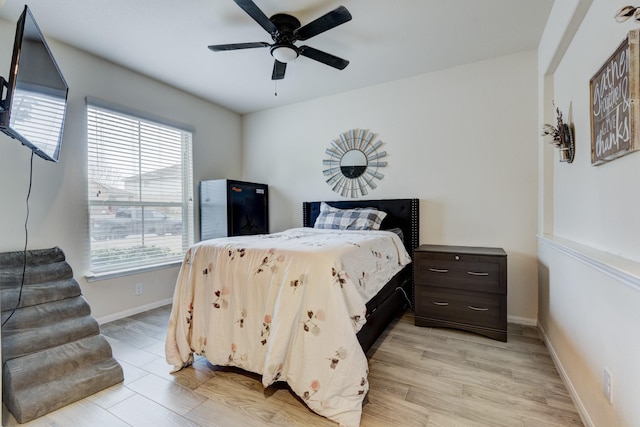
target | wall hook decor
x=627, y=12
x=561, y=137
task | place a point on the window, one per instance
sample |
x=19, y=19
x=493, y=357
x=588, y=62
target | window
x=140, y=190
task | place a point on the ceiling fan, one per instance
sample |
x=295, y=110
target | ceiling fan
x=285, y=30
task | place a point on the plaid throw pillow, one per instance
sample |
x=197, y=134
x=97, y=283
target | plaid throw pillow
x=349, y=219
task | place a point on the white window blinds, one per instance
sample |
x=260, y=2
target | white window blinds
x=140, y=190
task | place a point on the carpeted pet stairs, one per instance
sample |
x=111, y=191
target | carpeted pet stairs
x=52, y=350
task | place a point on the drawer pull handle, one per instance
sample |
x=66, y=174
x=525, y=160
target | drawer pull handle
x=477, y=308
x=438, y=270
x=443, y=304
x=475, y=273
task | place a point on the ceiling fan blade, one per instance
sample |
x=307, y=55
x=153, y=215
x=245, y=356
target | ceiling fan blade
x=278, y=70
x=324, y=57
x=257, y=15
x=236, y=46
x=326, y=22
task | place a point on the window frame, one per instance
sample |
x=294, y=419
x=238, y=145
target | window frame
x=187, y=193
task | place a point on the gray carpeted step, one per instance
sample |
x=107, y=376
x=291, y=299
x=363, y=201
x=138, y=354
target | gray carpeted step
x=55, y=363
x=52, y=350
x=41, y=315
x=42, y=326
x=34, y=257
x=23, y=342
x=12, y=276
x=44, y=397
x=39, y=293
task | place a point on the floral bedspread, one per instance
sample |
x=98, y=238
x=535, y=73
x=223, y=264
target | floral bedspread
x=287, y=306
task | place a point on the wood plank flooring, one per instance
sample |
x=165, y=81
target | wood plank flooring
x=418, y=376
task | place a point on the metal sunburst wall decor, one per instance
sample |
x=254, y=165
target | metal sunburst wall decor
x=353, y=163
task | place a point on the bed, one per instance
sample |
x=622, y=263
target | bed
x=402, y=214
x=301, y=306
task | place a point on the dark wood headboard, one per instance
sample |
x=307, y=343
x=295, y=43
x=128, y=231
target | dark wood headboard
x=401, y=213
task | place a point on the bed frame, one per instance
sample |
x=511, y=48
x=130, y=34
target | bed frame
x=397, y=295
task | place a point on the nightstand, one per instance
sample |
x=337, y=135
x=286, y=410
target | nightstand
x=461, y=287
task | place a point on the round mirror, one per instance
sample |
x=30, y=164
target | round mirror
x=353, y=163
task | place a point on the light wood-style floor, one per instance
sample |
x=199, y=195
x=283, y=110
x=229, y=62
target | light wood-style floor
x=418, y=377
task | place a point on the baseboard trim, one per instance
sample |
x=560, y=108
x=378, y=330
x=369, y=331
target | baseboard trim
x=133, y=311
x=582, y=411
x=525, y=321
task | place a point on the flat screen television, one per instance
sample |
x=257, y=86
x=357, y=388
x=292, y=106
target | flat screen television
x=33, y=100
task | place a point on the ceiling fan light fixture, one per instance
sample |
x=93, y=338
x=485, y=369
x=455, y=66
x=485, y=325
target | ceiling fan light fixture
x=284, y=54
x=285, y=31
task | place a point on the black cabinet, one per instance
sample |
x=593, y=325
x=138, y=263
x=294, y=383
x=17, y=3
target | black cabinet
x=233, y=208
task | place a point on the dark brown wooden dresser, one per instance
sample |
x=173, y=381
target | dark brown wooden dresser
x=461, y=287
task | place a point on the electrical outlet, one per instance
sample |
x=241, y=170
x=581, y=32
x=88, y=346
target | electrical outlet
x=606, y=384
x=138, y=288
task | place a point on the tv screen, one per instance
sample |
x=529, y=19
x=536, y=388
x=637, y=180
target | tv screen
x=35, y=101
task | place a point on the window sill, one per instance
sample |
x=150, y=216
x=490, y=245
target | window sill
x=95, y=277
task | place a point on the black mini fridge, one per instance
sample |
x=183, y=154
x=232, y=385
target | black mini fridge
x=233, y=208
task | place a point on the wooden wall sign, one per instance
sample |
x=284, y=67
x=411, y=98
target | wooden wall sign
x=615, y=107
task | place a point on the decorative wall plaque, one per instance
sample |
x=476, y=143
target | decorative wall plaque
x=615, y=112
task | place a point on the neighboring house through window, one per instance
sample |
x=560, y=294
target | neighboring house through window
x=140, y=189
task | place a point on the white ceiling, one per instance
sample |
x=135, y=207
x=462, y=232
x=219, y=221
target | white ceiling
x=385, y=41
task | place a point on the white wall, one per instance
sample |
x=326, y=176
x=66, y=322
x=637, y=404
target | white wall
x=603, y=216
x=462, y=140
x=589, y=270
x=58, y=203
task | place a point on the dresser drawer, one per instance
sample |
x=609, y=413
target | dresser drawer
x=469, y=308
x=459, y=271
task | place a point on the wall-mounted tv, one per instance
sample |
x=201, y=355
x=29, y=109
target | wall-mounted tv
x=33, y=100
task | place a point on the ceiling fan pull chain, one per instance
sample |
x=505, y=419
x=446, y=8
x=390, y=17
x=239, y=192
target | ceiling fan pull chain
x=275, y=88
